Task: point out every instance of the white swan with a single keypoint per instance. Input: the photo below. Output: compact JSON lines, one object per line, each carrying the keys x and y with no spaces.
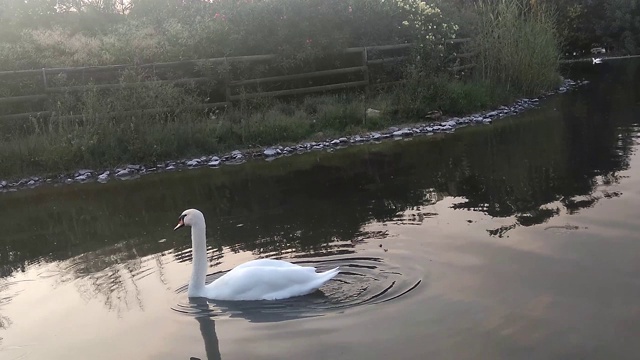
{"x":262,"y":279}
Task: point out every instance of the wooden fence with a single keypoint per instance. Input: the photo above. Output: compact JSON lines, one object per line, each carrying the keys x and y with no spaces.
{"x":230,"y":87}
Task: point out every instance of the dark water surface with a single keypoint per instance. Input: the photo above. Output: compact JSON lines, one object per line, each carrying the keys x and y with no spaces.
{"x":512,"y":241}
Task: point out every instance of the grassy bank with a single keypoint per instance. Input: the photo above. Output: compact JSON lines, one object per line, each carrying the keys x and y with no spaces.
{"x":516,"y":53}
{"x":54,"y":146}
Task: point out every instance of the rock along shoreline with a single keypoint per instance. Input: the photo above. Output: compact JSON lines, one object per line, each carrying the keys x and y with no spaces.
{"x":133,"y":171}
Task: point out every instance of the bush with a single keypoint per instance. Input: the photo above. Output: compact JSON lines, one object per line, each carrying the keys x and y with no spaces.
{"x":156,"y":31}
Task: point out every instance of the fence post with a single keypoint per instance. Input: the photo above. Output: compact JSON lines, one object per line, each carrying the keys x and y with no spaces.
{"x":365,"y":63}
{"x":227,"y":83}
{"x":44,"y":78}
{"x":44,"y":83}
{"x":365,"y":73}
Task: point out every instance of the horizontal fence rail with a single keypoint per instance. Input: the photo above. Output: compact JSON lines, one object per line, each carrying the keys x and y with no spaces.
{"x":227,"y":85}
{"x":298,"y":76}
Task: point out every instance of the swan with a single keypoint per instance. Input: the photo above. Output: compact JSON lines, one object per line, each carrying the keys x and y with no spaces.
{"x":263,"y":279}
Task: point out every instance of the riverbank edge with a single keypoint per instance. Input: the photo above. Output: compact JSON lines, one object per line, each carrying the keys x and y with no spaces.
{"x":605,"y":57}
{"x":237,"y":157}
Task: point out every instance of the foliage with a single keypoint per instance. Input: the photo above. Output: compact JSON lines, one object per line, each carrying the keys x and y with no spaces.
{"x":622,"y":25}
{"x":584,"y":24}
{"x":156,"y":31}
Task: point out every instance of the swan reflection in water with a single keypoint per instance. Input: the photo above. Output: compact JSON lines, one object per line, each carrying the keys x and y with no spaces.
{"x":207,"y":329}
{"x":205,"y":310}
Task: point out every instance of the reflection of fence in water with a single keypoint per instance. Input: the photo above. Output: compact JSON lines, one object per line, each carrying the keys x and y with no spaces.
{"x":361,"y":67}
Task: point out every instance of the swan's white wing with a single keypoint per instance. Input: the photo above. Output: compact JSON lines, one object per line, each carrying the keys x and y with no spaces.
{"x":267,"y":263}
{"x":267,"y":283}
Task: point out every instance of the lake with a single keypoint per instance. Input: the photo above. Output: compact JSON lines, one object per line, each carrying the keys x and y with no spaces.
{"x":512,"y":241}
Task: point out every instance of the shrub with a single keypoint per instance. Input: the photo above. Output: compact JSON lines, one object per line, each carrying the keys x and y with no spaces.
{"x":156,"y":31}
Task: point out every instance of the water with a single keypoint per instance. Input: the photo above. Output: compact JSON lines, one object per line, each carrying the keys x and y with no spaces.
{"x":515,"y":241}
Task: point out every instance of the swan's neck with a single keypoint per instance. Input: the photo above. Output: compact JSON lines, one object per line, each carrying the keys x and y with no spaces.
{"x":199,"y":255}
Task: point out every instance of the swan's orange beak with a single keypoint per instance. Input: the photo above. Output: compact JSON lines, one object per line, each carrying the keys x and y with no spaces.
{"x":180,"y":224}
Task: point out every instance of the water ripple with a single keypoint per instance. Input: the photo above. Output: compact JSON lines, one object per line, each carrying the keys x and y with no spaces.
{"x":362,"y":281}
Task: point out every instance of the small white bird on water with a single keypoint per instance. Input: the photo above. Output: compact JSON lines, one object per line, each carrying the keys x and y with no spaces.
{"x":263,"y":279}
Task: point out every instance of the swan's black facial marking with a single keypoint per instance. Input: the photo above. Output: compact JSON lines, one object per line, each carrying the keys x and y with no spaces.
{"x":180,"y":222}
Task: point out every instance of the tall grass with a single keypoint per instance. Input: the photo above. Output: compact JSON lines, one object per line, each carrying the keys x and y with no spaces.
{"x":517,"y":46}
{"x":422,"y":95}
{"x":62,"y":144}
{"x":59,"y":145}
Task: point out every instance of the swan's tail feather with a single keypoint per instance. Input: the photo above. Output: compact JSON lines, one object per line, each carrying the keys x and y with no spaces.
{"x":329,"y":274}
{"x":322,"y":278}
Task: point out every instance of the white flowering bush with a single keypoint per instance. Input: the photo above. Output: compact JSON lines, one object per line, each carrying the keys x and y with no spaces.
{"x":430,"y":28}
{"x":427,"y":22}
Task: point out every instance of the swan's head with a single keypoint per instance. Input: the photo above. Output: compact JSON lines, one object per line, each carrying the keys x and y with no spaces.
{"x":189,"y":217}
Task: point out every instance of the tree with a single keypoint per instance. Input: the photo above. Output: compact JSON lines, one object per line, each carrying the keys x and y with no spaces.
{"x":621,"y":25}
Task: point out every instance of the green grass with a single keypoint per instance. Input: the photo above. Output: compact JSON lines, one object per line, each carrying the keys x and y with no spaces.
{"x":452,"y":97}
{"x":53,"y":146}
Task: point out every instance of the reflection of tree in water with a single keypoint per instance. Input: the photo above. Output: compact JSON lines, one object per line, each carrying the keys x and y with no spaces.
{"x":110,"y":273}
{"x":595,"y":139}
